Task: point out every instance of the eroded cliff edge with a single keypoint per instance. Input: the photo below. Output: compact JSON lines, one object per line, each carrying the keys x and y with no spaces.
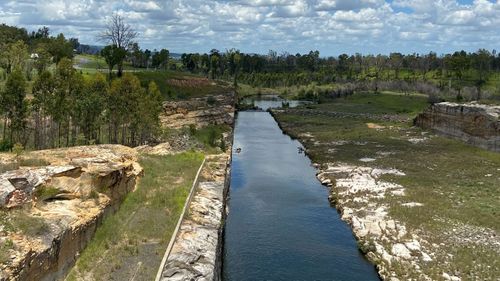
{"x":50,"y":209}
{"x":476,"y":124}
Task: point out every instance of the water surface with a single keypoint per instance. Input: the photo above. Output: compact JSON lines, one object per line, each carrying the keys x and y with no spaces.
{"x":280,"y":224}
{"x":272,"y":101}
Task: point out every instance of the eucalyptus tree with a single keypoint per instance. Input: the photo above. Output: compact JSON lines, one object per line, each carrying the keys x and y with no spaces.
{"x":43,"y":91}
{"x":113,"y":56}
{"x":119,"y":34}
{"x":15,"y":107}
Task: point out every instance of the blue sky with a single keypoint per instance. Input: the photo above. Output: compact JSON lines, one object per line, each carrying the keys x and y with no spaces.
{"x":330,"y":26}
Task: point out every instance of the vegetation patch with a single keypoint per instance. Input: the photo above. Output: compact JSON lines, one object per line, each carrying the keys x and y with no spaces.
{"x":132,"y":241}
{"x":27,"y":224}
{"x":44,"y":193}
{"x":178,"y":85}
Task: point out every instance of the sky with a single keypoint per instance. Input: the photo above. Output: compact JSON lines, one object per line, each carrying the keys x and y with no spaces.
{"x":332,"y":27}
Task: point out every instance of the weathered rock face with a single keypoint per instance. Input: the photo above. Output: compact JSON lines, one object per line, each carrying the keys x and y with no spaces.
{"x":67,"y":200}
{"x":200,"y":112}
{"x":197,"y":249}
{"x":476,"y":124}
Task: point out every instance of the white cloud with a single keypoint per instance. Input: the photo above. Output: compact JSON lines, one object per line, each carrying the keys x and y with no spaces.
{"x":332,"y":26}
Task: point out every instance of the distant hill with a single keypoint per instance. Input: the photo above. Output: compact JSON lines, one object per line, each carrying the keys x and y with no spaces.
{"x":89,"y":49}
{"x":175,"y":56}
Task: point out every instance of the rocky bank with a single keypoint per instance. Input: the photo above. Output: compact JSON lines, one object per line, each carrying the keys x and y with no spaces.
{"x":476,"y":124}
{"x":50,"y":211}
{"x":199,"y":112}
{"x":197,"y":249}
{"x":355,"y":191}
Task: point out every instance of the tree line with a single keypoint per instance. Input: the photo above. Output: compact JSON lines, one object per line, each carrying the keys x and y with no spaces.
{"x":68,"y":109}
{"x":46,"y":107}
{"x":450,"y":72}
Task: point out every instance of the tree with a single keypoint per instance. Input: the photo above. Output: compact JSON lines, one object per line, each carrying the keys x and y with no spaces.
{"x":482,"y":63}
{"x":396,"y":61}
{"x":14,"y":56}
{"x":43,"y":59}
{"x":119,"y":34}
{"x":43,"y":90}
{"x":63,"y":99}
{"x":11,"y":34}
{"x":91,"y":105}
{"x":60,"y":48}
{"x":148,"y":121}
{"x":124,"y":95}
{"x":113,"y":55}
{"x":15,"y":106}
{"x":160,"y":59}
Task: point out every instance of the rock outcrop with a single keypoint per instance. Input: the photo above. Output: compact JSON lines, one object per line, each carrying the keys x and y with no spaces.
{"x":197,"y":248}
{"x":50,"y":213}
{"x":200,"y":112}
{"x":354,"y":190}
{"x":476,"y":124}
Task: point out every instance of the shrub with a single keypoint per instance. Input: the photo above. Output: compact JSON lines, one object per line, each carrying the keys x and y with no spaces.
{"x":18,"y":149}
{"x":6,"y":145}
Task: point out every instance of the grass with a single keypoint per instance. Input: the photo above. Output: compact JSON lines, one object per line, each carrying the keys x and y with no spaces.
{"x":33,"y":162}
{"x":46,"y":192}
{"x":5,"y":246}
{"x":19,"y":220}
{"x":209,"y":135}
{"x":132,"y":241}
{"x":292,"y":92}
{"x":457,"y":183}
{"x":383,"y":103}
{"x":180,"y":85}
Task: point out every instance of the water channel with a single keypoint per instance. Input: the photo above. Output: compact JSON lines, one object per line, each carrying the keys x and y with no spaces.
{"x":280,"y":224}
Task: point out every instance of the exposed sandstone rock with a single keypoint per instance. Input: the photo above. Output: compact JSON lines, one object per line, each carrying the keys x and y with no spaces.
{"x":197,"y":249}
{"x":89,"y":181}
{"x":217,"y":110}
{"x":476,"y":124}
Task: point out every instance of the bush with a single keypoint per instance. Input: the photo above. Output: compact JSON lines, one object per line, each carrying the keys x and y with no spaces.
{"x":18,"y":149}
{"x":6,"y":145}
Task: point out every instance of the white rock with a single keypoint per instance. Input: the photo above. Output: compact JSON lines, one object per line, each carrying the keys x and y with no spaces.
{"x":399,"y":250}
{"x":426,"y":257}
{"x":413,"y":245}
{"x":412,"y":204}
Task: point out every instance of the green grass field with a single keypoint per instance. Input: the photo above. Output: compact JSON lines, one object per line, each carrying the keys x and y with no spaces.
{"x":458,"y":184}
{"x":131,"y":242}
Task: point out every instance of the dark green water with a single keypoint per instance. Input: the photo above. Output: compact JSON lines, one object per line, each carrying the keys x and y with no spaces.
{"x":280,"y":224}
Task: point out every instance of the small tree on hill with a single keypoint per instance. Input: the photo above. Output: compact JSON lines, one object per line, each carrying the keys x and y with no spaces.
{"x":113,"y":56}
{"x":119,"y":34}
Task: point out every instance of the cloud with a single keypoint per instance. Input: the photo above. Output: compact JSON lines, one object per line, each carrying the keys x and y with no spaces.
{"x":331,"y":26}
